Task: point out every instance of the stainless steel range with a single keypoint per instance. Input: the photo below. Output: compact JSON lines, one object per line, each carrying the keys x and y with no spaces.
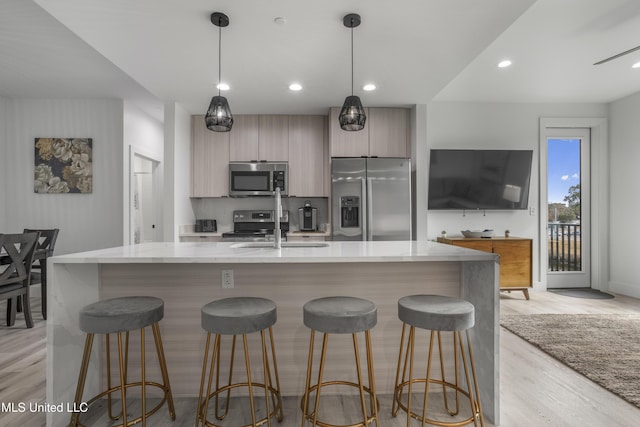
{"x":255,"y":226}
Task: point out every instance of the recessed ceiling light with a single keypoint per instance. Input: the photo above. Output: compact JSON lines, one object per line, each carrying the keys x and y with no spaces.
{"x":280,"y":20}
{"x":223,"y":86}
{"x":504,"y":64}
{"x":369,"y":87}
{"x":636,"y":65}
{"x":295,"y":86}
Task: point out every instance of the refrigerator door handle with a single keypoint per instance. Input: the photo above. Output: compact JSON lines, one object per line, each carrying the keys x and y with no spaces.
{"x":369,"y":209}
{"x":365,"y":215}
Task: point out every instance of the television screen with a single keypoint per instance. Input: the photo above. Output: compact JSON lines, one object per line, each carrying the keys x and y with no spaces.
{"x":479,"y":179}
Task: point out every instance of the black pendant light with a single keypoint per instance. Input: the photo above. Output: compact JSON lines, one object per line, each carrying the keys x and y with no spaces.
{"x":352,"y":116}
{"x":219,"y":117}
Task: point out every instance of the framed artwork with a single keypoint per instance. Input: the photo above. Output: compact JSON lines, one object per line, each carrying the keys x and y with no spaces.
{"x":63,"y":165}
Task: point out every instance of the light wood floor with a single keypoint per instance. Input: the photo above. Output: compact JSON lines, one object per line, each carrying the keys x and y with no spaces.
{"x":536,"y":390}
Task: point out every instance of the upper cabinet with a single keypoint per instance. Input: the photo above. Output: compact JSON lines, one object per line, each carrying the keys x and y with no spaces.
{"x":274,"y":138}
{"x":347,"y":143}
{"x":386,"y":134}
{"x":209,"y":160}
{"x":308,"y":156}
{"x":259,"y":138}
{"x":243,"y":145}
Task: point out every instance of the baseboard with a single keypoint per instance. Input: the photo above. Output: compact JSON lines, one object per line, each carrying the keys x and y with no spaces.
{"x":628,"y":289}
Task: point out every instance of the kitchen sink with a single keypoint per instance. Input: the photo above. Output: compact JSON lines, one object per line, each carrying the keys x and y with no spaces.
{"x":284,"y":245}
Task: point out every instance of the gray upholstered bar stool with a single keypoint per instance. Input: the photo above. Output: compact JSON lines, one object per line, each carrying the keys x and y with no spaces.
{"x":437,"y":313}
{"x":340,"y":315}
{"x":114,"y":316}
{"x":239,"y":316}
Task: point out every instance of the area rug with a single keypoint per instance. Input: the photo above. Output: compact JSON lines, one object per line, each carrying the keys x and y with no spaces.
{"x":603,"y":347}
{"x":587,"y":293}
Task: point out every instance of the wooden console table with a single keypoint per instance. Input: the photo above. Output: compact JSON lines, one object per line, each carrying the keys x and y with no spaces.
{"x":515,"y":258}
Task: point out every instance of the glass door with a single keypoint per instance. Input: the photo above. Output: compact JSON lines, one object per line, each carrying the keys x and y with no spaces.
{"x":568,"y":213}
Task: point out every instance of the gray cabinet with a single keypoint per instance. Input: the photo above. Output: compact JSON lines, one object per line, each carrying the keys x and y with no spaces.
{"x":386,"y":134}
{"x":259,"y":138}
{"x":308,"y":157}
{"x":209,"y":160}
{"x":243,"y":143}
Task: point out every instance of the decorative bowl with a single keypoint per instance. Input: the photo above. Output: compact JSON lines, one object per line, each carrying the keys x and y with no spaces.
{"x":477,"y":233}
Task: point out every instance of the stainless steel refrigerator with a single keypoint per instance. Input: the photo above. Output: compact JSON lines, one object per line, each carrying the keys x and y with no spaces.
{"x":371,"y":198}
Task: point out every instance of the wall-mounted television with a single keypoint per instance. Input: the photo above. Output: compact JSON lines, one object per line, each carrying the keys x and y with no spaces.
{"x":479,"y":179}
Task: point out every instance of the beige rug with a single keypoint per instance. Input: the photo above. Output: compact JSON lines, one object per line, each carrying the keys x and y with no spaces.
{"x":603,"y":347}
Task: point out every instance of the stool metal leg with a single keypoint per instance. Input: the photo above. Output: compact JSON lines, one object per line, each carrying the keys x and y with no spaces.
{"x":216,"y":346}
{"x":360,"y":386}
{"x":267,"y":377}
{"x":204,"y":371}
{"x":233,"y":353}
{"x":278,"y":396}
{"x":143,"y":385}
{"x":372,"y":381}
{"x":247,"y":363}
{"x":455,"y":361}
{"x":325,"y":340}
{"x":163,"y":369}
{"x":123,"y":389}
{"x":82,"y":378}
{"x":305,"y":397}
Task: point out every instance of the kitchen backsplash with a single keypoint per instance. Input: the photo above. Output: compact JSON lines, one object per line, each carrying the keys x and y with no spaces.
{"x":221,"y":209}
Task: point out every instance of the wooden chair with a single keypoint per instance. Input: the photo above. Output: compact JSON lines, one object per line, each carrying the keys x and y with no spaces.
{"x":15,"y":272}
{"x":44,"y":249}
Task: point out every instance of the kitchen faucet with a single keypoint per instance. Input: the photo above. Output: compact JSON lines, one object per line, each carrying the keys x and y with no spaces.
{"x":277,"y":234}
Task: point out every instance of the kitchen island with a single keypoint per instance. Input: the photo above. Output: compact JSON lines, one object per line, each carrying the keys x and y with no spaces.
{"x":188,"y":275}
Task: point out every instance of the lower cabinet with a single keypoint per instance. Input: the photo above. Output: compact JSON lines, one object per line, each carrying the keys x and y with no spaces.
{"x":304,"y":238}
{"x":515,"y":258}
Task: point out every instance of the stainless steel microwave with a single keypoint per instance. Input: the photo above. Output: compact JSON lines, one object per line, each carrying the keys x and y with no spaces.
{"x":258,"y":178}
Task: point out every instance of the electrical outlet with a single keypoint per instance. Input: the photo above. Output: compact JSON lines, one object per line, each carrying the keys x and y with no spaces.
{"x":227,"y":279}
{"x":532,"y":211}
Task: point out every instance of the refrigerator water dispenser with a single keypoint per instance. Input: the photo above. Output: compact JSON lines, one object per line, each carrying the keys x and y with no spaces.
{"x":350,"y":211}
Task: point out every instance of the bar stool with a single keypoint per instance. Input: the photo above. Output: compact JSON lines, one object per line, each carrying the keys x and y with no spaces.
{"x":119,"y":315}
{"x":437,"y":313}
{"x":239,"y":316}
{"x":340,"y":315}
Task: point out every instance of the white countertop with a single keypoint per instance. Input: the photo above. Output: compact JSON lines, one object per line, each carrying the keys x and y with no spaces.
{"x":223,"y":252}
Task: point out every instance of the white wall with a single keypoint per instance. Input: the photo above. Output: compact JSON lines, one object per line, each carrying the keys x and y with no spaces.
{"x":624,"y":201}
{"x":86,"y":221}
{"x":177,"y":170}
{"x":3,"y":163}
{"x":491,"y":126}
{"x":143,"y":135}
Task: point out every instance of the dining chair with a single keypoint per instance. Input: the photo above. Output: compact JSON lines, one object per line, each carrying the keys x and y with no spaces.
{"x":15,"y":272}
{"x":44,"y":249}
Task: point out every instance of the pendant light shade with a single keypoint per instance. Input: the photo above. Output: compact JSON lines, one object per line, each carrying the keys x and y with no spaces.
{"x":352,"y":116}
{"x":219,"y":117}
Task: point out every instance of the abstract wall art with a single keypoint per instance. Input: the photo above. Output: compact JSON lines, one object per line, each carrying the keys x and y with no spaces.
{"x":63,"y":165}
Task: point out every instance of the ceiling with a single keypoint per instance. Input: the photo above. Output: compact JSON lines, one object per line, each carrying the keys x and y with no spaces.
{"x":415,"y":51}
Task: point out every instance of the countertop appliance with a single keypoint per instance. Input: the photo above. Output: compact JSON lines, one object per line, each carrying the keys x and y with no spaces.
{"x":308,"y":217}
{"x":255,"y":226}
{"x":371,"y":198}
{"x":206,"y":226}
{"x":258,"y":178}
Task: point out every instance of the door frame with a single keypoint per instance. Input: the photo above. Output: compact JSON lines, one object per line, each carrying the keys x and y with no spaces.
{"x":157,"y":185}
{"x":582,"y":278}
{"x":599,"y":182}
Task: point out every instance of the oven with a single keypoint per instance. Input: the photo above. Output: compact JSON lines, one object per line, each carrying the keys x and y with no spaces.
{"x":255,"y":226}
{"x":258,"y":178}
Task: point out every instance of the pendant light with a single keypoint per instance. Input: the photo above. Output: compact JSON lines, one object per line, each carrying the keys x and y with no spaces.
{"x":352,"y":116}
{"x":219,"y":117}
